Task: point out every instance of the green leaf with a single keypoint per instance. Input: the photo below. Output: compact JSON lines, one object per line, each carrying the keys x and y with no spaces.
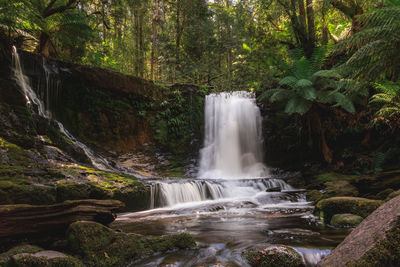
{"x":289,"y":81}
{"x":327,"y":74}
{"x":344,"y":102}
{"x":298,"y":105}
{"x":246,"y":47}
{"x":304,"y":83}
{"x":281,"y":94}
{"x":308,"y":93}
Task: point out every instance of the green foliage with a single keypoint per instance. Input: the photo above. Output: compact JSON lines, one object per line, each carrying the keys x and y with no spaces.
{"x":374,"y":50}
{"x":388,"y":102}
{"x":179,"y":118}
{"x":306,"y":84}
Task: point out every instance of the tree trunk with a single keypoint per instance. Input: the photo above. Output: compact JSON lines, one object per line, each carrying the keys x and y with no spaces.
{"x":229,"y":34}
{"x":319,"y":130}
{"x":44,"y":45}
{"x":153,"y":43}
{"x":311,"y":28}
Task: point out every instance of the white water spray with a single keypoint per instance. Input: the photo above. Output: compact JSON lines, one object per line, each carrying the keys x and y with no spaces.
{"x":233,"y":139}
{"x":32,"y":101}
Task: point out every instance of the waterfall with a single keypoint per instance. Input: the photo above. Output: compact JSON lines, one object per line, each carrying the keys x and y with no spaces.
{"x":233,"y":137}
{"x":34,"y":102}
{"x":169,"y":193}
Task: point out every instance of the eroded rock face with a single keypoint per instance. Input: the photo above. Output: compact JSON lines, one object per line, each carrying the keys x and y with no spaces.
{"x":375,"y":242}
{"x":98,"y":245}
{"x":274,"y":256}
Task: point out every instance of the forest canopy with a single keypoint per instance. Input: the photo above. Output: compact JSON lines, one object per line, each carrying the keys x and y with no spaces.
{"x":313,"y":60}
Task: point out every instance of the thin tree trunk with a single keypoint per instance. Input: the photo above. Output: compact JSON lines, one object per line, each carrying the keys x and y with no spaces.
{"x":229,"y":33}
{"x":153,"y":44}
{"x":311,"y":28}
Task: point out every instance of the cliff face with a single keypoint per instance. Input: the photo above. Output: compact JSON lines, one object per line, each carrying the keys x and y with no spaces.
{"x":111,"y":110}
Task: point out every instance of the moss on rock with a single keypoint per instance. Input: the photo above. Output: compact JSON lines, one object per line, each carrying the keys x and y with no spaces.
{"x":5,"y":257}
{"x":354,"y":205}
{"x":346,"y":220}
{"x":274,"y":256}
{"x":314,"y":195}
{"x":37,"y":260}
{"x":98,"y":245}
{"x":386,"y":252}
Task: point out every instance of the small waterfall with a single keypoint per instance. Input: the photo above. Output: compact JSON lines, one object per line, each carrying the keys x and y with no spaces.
{"x":34,"y":102}
{"x":233,"y":138}
{"x":169,"y":193}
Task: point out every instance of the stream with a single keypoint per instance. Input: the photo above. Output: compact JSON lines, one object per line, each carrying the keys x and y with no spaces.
{"x":225,"y":226}
{"x":234,"y":203}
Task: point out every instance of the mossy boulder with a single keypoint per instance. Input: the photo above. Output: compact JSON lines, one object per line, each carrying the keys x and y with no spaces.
{"x":314,"y":195}
{"x":384,"y":194}
{"x":98,"y":245}
{"x":45,"y":258}
{"x":346,"y":220}
{"x":354,"y":205}
{"x":340,"y":188}
{"x":374,"y":242}
{"x":5,"y":257}
{"x":393,"y":195}
{"x":274,"y":256}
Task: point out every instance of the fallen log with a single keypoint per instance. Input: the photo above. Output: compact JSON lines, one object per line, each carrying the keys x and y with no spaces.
{"x":23,"y":221}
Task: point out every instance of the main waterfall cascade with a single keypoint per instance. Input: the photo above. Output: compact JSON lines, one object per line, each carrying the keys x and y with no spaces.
{"x":34,"y":102}
{"x":231,"y":165}
{"x":233,"y":137}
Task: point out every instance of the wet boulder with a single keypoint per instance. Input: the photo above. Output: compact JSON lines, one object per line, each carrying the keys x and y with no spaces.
{"x":345,"y":220}
{"x":354,"y":205}
{"x":374,"y":242}
{"x":98,"y":245}
{"x":274,"y":256}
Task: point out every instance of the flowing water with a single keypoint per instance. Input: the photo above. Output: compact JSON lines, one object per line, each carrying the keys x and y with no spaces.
{"x":42,"y":108}
{"x":235,"y":203}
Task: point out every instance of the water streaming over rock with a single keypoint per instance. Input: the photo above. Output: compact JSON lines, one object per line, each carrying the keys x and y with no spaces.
{"x":233,"y":138}
{"x":39,"y":107}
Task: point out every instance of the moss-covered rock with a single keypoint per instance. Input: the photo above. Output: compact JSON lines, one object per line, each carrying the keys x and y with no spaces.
{"x":346,"y":220}
{"x":340,"y":188}
{"x":314,"y":195}
{"x":274,"y":256}
{"x":384,"y":194}
{"x":386,"y":252}
{"x":98,"y":245}
{"x":5,"y":257}
{"x":393,"y":195}
{"x":354,"y":205}
{"x":44,"y":259}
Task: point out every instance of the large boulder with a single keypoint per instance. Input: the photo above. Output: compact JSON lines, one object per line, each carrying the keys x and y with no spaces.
{"x":98,"y":245}
{"x":274,"y":256}
{"x":375,"y":242}
{"x":354,"y":205}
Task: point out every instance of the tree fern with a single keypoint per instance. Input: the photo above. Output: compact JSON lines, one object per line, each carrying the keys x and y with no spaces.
{"x":374,"y":50}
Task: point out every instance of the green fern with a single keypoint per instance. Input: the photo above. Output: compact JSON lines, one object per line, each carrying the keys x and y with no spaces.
{"x":307,"y":84}
{"x":374,"y":50}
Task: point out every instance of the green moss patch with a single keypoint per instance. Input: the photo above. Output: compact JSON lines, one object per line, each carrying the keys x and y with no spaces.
{"x":354,"y":205}
{"x":386,"y":252}
{"x":346,"y":220}
{"x":98,"y":245}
